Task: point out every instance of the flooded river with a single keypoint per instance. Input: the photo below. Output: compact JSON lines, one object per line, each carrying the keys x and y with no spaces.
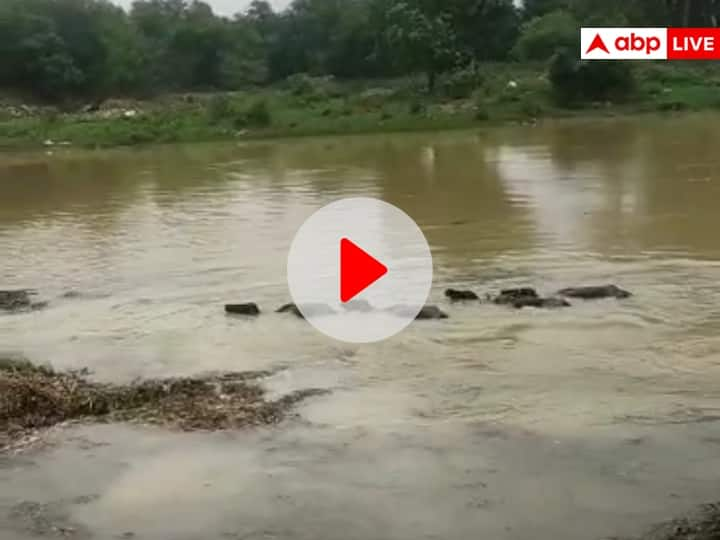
{"x":591,"y":422}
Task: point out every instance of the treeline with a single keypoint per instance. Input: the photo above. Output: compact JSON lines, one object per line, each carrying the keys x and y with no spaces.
{"x":89,"y":49}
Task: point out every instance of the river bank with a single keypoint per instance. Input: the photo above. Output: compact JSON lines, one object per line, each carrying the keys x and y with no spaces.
{"x":304,"y":105}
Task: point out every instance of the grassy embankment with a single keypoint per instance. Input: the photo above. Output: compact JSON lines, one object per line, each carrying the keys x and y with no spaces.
{"x":307,"y":106}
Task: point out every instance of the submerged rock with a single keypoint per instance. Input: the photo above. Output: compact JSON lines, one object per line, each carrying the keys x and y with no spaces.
{"x":19,"y":300}
{"x":431,"y":313}
{"x":460,"y":296}
{"x":595,"y":292}
{"x":428,"y":312}
{"x":290,"y":308}
{"x":312,"y":310}
{"x":528,"y":297}
{"x":12,"y":300}
{"x":358,"y":306}
{"x":251,"y":309}
{"x":513,"y":296}
{"x":542,"y":303}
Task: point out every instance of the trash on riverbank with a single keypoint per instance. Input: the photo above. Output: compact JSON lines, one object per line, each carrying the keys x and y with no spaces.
{"x":703,"y":525}
{"x":35,"y":397}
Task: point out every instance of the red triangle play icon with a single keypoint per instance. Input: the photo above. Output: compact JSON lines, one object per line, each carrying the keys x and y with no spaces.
{"x":358,"y":270}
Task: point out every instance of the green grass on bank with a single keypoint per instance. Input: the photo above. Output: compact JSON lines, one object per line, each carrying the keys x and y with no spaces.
{"x":668,"y":86}
{"x":304,"y":105}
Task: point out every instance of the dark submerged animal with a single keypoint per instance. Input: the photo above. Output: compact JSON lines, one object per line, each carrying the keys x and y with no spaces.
{"x":19,"y":300}
{"x":431,"y":313}
{"x":358,"y":306}
{"x":311,"y":309}
{"x":543,"y":303}
{"x":250,"y":309}
{"x":528,"y":297}
{"x":595,"y":292}
{"x":460,"y":296}
{"x":513,"y":296}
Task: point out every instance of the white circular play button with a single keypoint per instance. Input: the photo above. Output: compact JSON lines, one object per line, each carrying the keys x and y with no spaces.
{"x":359,"y":270}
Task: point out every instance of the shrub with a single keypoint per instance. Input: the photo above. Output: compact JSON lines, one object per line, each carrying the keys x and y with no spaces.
{"x":542,"y":36}
{"x":375,"y":98}
{"x":574,"y":82}
{"x":671,"y":106}
{"x":461,"y":83}
{"x":481,"y":108}
{"x":481,"y":113}
{"x":258,"y":114}
{"x":416,"y":108}
{"x":531,"y":108}
{"x":299,"y":84}
{"x":312,"y":88}
{"x":219,"y":109}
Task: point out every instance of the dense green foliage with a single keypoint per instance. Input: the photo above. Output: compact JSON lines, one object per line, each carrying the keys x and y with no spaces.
{"x":573,"y":81}
{"x":90,"y":49}
{"x":82,"y":52}
{"x":542,"y":36}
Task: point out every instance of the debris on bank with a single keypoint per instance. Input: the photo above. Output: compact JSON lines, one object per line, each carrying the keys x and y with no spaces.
{"x":36,"y":397}
{"x":703,"y":525}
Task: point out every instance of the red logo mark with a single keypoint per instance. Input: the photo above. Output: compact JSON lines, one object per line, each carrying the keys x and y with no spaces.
{"x":597,"y":43}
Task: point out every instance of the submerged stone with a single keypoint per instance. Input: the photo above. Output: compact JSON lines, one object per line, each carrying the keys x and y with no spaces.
{"x":527,"y":297}
{"x":542,"y":303}
{"x":459,"y":296}
{"x":595,"y":292}
{"x":250,"y":309}
{"x":358,"y":306}
{"x":431,"y":313}
{"x":513,"y":296}
{"x":428,"y":312}
{"x":313,"y":310}
{"x":19,"y":300}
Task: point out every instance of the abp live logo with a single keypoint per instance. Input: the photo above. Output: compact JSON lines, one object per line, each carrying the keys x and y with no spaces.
{"x":650,"y":43}
{"x":623,"y":43}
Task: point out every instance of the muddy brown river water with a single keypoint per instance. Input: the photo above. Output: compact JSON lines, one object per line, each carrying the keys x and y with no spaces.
{"x":591,"y":422}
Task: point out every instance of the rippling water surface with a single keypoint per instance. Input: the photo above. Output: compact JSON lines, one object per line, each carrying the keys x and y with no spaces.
{"x":583,"y":423}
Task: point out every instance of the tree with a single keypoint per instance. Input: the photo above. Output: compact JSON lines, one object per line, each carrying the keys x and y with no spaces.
{"x":423,"y":41}
{"x":243,"y":59}
{"x":537,"y":8}
{"x":485,"y":29}
{"x":36,"y":59}
{"x":542,"y":36}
